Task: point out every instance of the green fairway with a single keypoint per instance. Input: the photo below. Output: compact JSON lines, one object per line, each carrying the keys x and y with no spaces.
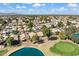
{"x":65,"y":48}
{"x":2,"y":52}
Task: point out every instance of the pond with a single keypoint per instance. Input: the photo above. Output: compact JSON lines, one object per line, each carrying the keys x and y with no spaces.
{"x":75,"y":35}
{"x":27,"y":52}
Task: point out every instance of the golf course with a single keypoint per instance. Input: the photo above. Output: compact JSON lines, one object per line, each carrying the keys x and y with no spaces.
{"x":65,"y":49}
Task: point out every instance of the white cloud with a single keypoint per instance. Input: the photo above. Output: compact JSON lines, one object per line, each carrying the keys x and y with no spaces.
{"x":72,"y":5}
{"x":61,"y":9}
{"x":20,"y":7}
{"x":7,"y":5}
{"x":38,"y":4}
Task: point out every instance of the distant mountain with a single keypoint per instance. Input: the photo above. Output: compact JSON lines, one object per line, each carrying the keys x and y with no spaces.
{"x":9,"y":14}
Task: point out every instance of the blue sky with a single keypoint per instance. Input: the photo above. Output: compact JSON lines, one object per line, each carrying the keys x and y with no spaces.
{"x":40,"y":8}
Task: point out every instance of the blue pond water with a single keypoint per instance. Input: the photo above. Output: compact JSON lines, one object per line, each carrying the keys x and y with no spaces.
{"x":27,"y":52}
{"x":76,"y":35}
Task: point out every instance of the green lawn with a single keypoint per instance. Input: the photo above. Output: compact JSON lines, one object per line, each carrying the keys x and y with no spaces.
{"x":65,"y":48}
{"x":2,"y":52}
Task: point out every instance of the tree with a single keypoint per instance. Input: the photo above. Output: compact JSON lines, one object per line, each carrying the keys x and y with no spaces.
{"x":62,"y":35}
{"x":15,"y":31}
{"x":34,"y":38}
{"x":1,"y":37}
{"x":45,"y":18}
{"x":30,"y":25}
{"x":70,"y":30}
{"x":9,"y":41}
{"x":9,"y":20}
{"x":31,"y":18}
{"x":46,"y":31}
{"x":3,"y":22}
{"x":68,"y":23}
{"x":75,"y":39}
{"x":68,"y":37}
{"x":60,"y":24}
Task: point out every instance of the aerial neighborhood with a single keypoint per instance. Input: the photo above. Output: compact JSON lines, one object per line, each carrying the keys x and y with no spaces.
{"x":47,"y":33}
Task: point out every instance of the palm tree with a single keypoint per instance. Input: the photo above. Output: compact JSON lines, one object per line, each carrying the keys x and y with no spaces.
{"x":30,"y":25}
{"x":34,"y":38}
{"x":62,"y":35}
{"x":46,"y":31}
{"x":9,"y":40}
{"x":16,"y":31}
